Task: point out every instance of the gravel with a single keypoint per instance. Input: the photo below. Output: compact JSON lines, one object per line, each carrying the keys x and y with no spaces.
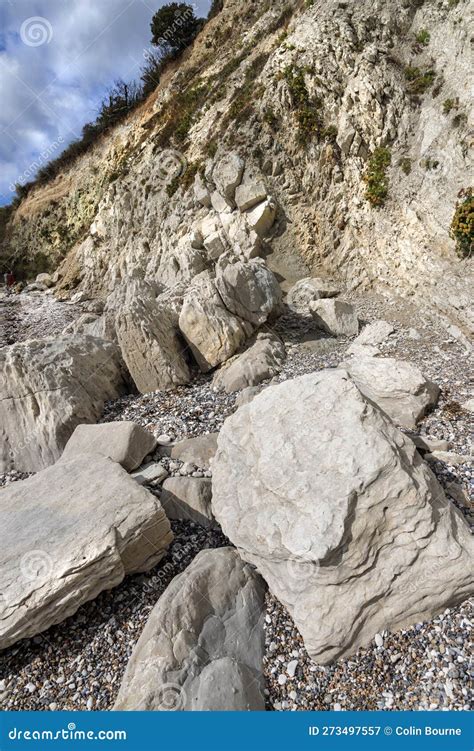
{"x":79,"y":664}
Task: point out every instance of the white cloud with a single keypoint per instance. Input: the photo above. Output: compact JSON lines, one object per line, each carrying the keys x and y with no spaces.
{"x":54,"y":88}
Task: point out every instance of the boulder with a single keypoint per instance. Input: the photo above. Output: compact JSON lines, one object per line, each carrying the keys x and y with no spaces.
{"x":69,"y":533}
{"x":335,"y":317}
{"x":262,"y":217}
{"x":374,"y":333}
{"x":47,"y":388}
{"x":227,"y":175}
{"x":45,"y":279}
{"x":188,"y":498}
{"x":246,"y":395}
{"x":124,"y":442}
{"x":249,"y":194}
{"x":198,"y":451}
{"x":397,"y":387}
{"x":212,"y":332}
{"x":317,"y":488}
{"x":150,"y":474}
{"x":262,"y":360}
{"x":150,"y":345}
{"x":215,"y":245}
{"x":309,"y":290}
{"x":201,"y":192}
{"x":248,"y":289}
{"x":202,"y":647}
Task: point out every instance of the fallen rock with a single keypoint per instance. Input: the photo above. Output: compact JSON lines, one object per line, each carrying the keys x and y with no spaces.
{"x":213,"y":333}
{"x":449,"y":457}
{"x":248,"y":289}
{"x":334,"y":506}
{"x":249,"y":194}
{"x":151,"y":348}
{"x":150,"y":474}
{"x":48,"y":387}
{"x":200,"y":451}
{"x":188,"y":498}
{"x":308,"y":290}
{"x":202,"y":647}
{"x":262,"y":360}
{"x":124,"y":442}
{"x":396,"y":386}
{"x":374,"y":333}
{"x":69,"y":533}
{"x":45,"y":279}
{"x":428,"y":443}
{"x":246,"y":395}
{"x":335,"y":317}
{"x":262,"y":217}
{"x":227,"y":175}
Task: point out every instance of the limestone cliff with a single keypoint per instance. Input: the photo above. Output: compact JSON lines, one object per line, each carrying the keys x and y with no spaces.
{"x":302,"y":97}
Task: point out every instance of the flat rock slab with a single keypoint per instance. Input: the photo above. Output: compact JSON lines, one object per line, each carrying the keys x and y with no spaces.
{"x":396,"y":386}
{"x":124,"y":442}
{"x":337,"y":510}
{"x":69,"y":533}
{"x":47,"y":388}
{"x":203,"y":645}
{"x":199,"y":451}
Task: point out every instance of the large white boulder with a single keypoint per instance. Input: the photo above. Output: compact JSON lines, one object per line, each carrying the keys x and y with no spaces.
{"x":212,"y":332}
{"x":227,"y":175}
{"x":396,"y":386}
{"x":248,"y":289}
{"x":334,"y":506}
{"x":335,"y":317}
{"x":262,"y":360}
{"x":203,"y":644}
{"x":308,"y":290}
{"x":124,"y":442}
{"x":69,"y":533}
{"x":47,"y":388}
{"x":261,"y":217}
{"x":149,"y":342}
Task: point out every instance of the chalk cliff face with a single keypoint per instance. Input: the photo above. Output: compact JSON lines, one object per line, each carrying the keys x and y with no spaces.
{"x":259,"y":142}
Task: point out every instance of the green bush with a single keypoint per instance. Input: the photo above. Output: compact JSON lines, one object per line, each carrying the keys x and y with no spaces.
{"x":423,"y":37}
{"x":308,"y":111}
{"x":376,"y":176}
{"x":405,"y":164}
{"x":419,"y":80}
{"x":448,"y":105}
{"x":462,"y":226}
{"x":174,"y":27}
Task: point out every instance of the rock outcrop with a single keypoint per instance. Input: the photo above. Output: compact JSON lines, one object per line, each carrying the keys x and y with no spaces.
{"x":69,"y":533}
{"x":308,"y":290}
{"x":203,"y":645}
{"x":48,"y":387}
{"x":334,"y":506}
{"x":396,"y":386}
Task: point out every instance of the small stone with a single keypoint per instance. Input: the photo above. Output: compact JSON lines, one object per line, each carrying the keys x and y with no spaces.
{"x":164,"y":439}
{"x":30,"y":687}
{"x":291,"y":668}
{"x":379,"y":640}
{"x":282,"y":679}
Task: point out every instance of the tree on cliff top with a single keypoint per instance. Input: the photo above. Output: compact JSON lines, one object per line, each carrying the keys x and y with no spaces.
{"x":174,"y":27}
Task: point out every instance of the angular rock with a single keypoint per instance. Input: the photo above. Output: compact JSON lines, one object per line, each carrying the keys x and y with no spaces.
{"x":309,"y":290}
{"x":150,"y":474}
{"x":69,"y":533}
{"x":227,"y":175}
{"x":246,"y":395}
{"x":215,"y":245}
{"x":212,"y":332}
{"x":397,"y":387}
{"x":45,"y":279}
{"x":374,"y":333}
{"x":334,"y":506}
{"x":248,"y":289}
{"x":262,"y":360}
{"x":262,"y":217}
{"x":201,"y":192}
{"x":151,"y":348}
{"x":335,"y":317}
{"x":203,"y":644}
{"x":188,"y":498}
{"x":249,"y":194}
{"x":47,"y":388}
{"x":124,"y":442}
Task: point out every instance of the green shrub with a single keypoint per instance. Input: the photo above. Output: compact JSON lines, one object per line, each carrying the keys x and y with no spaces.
{"x":174,"y":27}
{"x":462,"y":226}
{"x":376,"y":176}
{"x":419,"y":80}
{"x":308,"y":111}
{"x":405,"y":164}
{"x":270,"y":118}
{"x":448,"y":105}
{"x":423,"y":37}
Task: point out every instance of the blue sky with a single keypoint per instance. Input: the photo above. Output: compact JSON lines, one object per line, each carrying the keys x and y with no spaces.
{"x":57,"y":59}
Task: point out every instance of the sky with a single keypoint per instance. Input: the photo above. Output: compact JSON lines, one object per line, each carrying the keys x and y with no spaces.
{"x":57,"y":60}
